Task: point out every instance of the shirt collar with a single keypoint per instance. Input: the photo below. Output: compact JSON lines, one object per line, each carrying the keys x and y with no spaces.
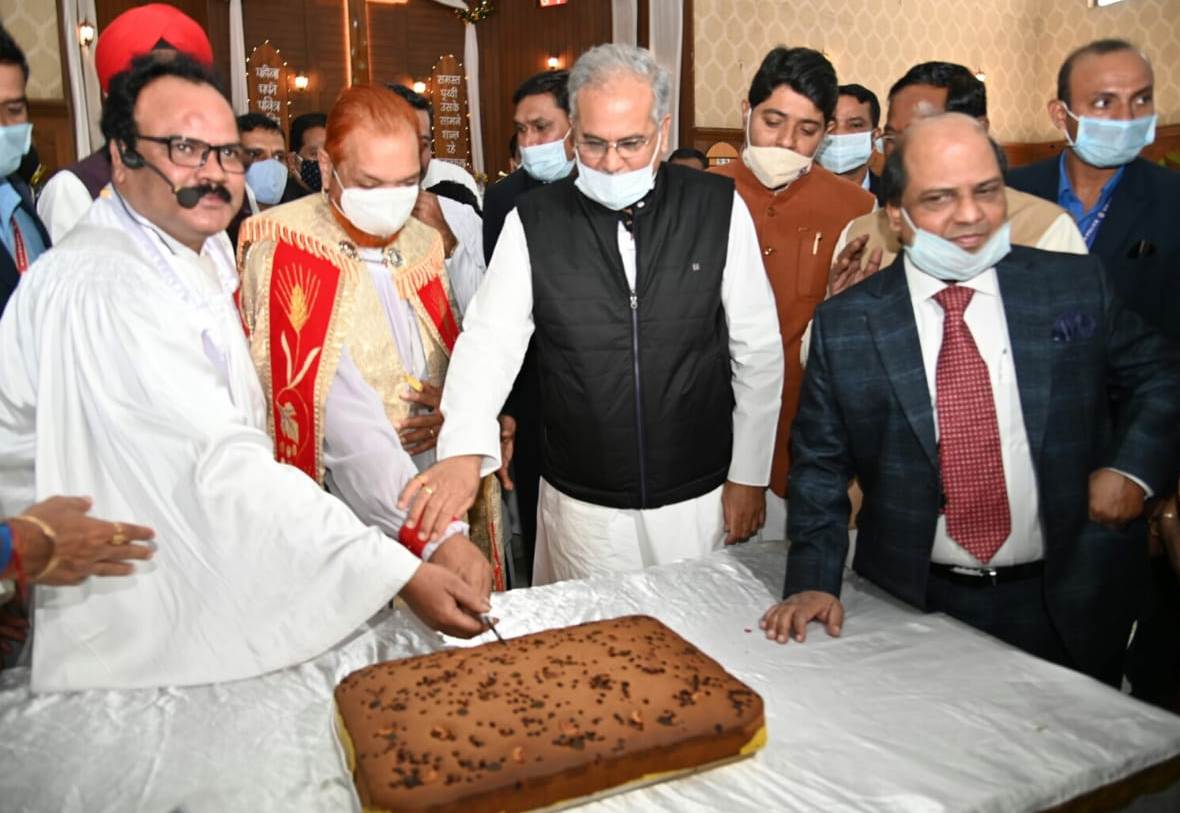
{"x":1065,"y":193}
{"x":923,"y":286}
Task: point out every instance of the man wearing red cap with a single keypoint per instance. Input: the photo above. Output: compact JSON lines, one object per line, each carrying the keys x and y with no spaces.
{"x":152,"y":28}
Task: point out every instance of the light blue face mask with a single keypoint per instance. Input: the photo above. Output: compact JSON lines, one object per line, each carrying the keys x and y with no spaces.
{"x":620,"y":190}
{"x":1111,"y":142}
{"x":267,"y":179}
{"x":844,"y":153}
{"x":547,"y":162}
{"x":945,"y":260}
{"x":15,"y":140}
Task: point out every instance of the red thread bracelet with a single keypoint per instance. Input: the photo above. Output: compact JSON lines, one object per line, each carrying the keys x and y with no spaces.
{"x":410,"y":540}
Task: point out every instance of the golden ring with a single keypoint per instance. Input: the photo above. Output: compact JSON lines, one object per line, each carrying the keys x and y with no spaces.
{"x":118,"y":538}
{"x":428,"y":489}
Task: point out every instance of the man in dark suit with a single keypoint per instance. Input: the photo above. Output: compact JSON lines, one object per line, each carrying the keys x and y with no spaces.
{"x":1125,"y":207}
{"x":22,"y":236}
{"x":965,"y":386}
{"x":542,"y":121}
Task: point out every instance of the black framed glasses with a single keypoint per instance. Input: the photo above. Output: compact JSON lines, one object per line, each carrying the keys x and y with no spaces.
{"x":193,"y":153}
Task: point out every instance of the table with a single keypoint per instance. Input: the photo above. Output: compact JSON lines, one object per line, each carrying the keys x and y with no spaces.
{"x":903,"y":712}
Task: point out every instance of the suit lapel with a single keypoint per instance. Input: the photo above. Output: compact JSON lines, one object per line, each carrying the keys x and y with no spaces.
{"x":896,"y":337}
{"x":1027,"y":312}
{"x":1128,"y":206}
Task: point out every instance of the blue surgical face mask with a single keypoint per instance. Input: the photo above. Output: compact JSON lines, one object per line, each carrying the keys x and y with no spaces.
{"x":15,"y":140}
{"x":620,"y":190}
{"x":268,"y":179}
{"x":547,"y":162}
{"x":1111,"y":142}
{"x":947,"y":261}
{"x":844,"y":153}
{"x":879,"y":145}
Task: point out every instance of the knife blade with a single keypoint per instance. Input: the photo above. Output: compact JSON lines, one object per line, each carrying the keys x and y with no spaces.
{"x":487,"y":619}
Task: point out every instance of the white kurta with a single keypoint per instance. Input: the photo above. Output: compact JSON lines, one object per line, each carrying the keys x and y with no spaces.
{"x":574,"y":538}
{"x":61,"y":204}
{"x":126,"y":376}
{"x":466,"y":265}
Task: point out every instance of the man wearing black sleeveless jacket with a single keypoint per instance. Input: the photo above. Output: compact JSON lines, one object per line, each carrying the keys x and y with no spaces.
{"x":658,"y":350}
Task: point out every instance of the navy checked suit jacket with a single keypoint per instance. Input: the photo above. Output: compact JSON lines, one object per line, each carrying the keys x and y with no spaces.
{"x":865,"y":412}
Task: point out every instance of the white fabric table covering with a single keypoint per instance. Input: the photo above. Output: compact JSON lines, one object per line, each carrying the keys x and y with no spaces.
{"x":904,"y":712}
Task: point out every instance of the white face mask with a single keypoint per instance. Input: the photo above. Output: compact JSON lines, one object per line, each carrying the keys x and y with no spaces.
{"x":547,"y":162}
{"x":774,"y":167}
{"x":620,"y":190}
{"x":844,"y":153}
{"x":380,"y":212}
{"x":945,"y":260}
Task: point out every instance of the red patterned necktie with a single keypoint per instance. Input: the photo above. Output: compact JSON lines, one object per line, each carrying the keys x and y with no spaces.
{"x":977,"y":513}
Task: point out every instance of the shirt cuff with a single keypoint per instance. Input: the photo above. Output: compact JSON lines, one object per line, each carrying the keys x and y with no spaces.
{"x":1147,"y":492}
{"x":454,"y":528}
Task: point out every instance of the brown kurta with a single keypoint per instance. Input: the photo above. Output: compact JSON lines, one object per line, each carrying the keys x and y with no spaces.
{"x":797,"y":230}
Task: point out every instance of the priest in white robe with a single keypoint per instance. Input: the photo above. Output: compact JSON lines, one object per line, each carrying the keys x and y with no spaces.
{"x":126,"y":376}
{"x":657,"y":340}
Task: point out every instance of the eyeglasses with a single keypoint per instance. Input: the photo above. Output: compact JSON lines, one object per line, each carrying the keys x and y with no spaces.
{"x":630,"y":147}
{"x":191,"y":152}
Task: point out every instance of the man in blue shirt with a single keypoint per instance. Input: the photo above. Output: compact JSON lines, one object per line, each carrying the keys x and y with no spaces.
{"x":1125,"y":207}
{"x":22,"y":235}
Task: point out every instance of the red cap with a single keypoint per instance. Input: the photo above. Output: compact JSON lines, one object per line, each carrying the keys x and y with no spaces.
{"x":137,"y":31}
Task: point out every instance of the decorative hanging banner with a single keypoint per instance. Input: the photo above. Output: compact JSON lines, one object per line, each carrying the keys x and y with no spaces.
{"x":448,"y":96}
{"x":266,"y":83}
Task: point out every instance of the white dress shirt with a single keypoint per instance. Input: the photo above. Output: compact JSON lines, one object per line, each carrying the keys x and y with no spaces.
{"x":61,"y":203}
{"x":988,"y":324}
{"x":466,"y":265}
{"x":366,"y":465}
{"x":499,"y":323}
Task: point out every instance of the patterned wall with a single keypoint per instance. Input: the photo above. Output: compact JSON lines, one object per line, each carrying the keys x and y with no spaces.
{"x":33,"y":24}
{"x":1019,"y":45}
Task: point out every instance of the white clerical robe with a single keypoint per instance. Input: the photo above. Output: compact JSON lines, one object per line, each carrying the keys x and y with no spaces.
{"x":576,"y":539}
{"x":126,"y":376}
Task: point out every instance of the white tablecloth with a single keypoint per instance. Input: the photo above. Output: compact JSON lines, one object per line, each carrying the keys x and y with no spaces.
{"x":904,"y":712}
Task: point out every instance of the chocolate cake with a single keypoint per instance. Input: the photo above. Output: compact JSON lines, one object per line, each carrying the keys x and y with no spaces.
{"x":541,"y":720}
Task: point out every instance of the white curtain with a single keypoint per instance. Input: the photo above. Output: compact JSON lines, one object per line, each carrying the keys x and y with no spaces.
{"x":85,"y":97}
{"x":624,"y":21}
{"x":471,"y":65}
{"x":666,"y":29}
{"x":238,"y":93}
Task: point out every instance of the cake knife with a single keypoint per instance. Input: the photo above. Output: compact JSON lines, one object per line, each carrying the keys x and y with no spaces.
{"x":487,"y":619}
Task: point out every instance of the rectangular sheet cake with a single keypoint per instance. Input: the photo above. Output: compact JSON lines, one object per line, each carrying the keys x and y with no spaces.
{"x":542,"y":720}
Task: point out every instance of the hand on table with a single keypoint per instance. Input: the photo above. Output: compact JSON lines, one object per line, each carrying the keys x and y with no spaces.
{"x":444,"y":492}
{"x":84,"y":546}
{"x":789,"y":618}
{"x":852,"y":266}
{"x":1114,"y":499}
{"x":419,"y":433}
{"x":460,"y":556}
{"x":744,"y":509}
{"x":445,"y":602}
{"x":507,"y":448}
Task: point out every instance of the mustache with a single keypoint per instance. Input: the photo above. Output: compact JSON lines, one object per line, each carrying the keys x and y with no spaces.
{"x":204,"y":189}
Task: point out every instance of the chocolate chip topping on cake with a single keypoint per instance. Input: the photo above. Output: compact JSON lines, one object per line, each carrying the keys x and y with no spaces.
{"x":541,"y":719}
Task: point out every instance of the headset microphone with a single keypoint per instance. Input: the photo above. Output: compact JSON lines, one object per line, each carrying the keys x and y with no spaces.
{"x":187,"y":196}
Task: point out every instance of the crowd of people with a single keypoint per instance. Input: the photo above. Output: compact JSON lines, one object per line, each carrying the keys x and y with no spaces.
{"x":306,"y":367}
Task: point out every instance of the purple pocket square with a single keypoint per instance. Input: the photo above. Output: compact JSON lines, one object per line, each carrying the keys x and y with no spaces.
{"x":1073,"y":325}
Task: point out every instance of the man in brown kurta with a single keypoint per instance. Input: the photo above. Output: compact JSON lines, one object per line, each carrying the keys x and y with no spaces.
{"x":799,"y":208}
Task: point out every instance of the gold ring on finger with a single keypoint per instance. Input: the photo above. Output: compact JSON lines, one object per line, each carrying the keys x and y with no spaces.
{"x":428,"y":489}
{"x":118,"y":538}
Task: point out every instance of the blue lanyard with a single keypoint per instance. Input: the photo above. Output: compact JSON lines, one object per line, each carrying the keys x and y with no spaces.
{"x":5,"y":545}
{"x":1092,"y":230}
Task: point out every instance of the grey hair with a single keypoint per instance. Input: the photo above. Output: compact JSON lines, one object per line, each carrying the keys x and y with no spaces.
{"x":603,"y":62}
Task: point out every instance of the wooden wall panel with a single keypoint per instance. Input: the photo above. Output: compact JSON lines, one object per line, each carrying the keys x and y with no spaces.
{"x":514,"y":43}
{"x":53,"y":134}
